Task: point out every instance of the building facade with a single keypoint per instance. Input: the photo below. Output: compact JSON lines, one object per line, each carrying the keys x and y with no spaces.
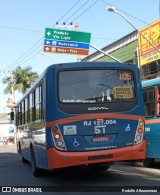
{"x":126,"y":50}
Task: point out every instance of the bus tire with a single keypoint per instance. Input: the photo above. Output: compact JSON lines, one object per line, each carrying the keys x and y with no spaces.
{"x":35,"y":170}
{"x":19,"y":148}
{"x":148,"y":162}
{"x":24,"y":160}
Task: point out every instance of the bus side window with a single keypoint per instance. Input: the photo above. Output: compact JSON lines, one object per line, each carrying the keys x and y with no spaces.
{"x":149,"y":101}
{"x":158,"y":101}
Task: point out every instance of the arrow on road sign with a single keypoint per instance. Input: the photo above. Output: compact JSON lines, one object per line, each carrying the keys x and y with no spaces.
{"x":48,"y":42}
{"x":49,"y":33}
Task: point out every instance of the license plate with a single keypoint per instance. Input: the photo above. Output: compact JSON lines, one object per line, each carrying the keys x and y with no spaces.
{"x":100,"y":139}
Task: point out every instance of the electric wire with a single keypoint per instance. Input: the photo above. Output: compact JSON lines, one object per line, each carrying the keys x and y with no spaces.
{"x":13,"y":64}
{"x":21,"y":29}
{"x":31,"y":48}
{"x":76,"y":11}
{"x":85,"y":11}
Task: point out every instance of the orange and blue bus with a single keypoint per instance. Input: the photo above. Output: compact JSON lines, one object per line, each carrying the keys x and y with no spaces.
{"x":77,"y":114}
{"x":151,"y":95}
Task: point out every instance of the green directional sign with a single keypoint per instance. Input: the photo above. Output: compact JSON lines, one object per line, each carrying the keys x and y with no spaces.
{"x":67,"y":35}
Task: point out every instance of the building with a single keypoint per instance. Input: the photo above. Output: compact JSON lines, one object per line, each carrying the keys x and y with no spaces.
{"x":6,"y":128}
{"x":126,"y":50}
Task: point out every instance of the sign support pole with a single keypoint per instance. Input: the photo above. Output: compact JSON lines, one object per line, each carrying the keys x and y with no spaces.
{"x":106,"y":54}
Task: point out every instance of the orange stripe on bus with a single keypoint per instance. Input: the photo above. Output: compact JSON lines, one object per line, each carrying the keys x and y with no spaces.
{"x":152,"y":121}
{"x":93,"y":116}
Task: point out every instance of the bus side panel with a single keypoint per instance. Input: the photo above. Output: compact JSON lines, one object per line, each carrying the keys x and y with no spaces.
{"x":152,"y":133}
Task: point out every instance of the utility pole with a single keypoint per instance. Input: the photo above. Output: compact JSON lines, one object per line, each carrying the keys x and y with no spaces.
{"x":77,"y":29}
{"x":113,"y":9}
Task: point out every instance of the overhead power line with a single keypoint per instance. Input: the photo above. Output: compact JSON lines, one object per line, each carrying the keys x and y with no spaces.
{"x":85,"y":11}
{"x":126,"y":13}
{"x":23,"y":58}
{"x":31,"y":48}
{"x":76,"y":11}
{"x":22,"y":29}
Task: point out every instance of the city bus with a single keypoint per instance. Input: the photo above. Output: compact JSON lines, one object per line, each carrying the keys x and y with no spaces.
{"x":82,"y":114}
{"x":151,"y":95}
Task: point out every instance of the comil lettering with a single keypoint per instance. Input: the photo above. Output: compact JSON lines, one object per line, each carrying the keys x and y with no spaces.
{"x":98,"y":108}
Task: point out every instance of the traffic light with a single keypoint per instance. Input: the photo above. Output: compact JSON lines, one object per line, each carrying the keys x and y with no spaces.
{"x":12,"y":116}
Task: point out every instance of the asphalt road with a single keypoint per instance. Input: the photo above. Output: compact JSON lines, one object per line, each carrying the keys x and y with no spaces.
{"x":121,"y":176}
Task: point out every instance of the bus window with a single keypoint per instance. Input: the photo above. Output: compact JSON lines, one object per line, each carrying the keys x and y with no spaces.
{"x":158,"y":101}
{"x":149,"y":101}
{"x":96,"y":86}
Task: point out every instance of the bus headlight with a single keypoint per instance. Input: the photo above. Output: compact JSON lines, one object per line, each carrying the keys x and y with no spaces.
{"x":139,"y":132}
{"x":58,"y":138}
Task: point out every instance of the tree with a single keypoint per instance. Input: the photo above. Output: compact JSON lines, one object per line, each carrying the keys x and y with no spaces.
{"x":23,"y":79}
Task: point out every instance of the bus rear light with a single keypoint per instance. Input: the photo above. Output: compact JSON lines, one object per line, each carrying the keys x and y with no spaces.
{"x":55,"y":128}
{"x":58,"y":138}
{"x":141,"y":123}
{"x":139,"y":132}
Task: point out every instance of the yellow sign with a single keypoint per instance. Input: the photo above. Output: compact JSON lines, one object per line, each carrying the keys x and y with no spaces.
{"x":147,"y":52}
{"x":123,"y":92}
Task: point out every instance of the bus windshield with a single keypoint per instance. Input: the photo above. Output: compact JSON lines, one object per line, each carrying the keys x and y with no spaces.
{"x":96,"y":86}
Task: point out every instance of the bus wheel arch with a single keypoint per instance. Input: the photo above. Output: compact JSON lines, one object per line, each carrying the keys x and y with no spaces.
{"x":19,"y":148}
{"x":20,"y":152}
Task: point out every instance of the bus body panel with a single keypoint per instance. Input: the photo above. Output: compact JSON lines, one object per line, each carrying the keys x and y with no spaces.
{"x":152,"y":123}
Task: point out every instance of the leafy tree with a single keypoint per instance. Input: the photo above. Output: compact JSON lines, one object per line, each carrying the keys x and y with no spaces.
{"x":23,"y":79}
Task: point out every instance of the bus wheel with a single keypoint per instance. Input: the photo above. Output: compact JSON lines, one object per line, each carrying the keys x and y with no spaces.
{"x":148,"y":162}
{"x":20,"y":152}
{"x":35,"y":170}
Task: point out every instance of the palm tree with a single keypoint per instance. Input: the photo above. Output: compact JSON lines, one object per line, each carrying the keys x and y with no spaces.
{"x":23,"y":79}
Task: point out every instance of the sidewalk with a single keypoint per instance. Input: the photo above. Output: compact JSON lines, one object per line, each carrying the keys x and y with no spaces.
{"x":10,"y":148}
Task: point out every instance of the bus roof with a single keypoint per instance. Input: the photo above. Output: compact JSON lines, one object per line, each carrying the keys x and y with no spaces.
{"x":151,"y":82}
{"x":93,"y":64}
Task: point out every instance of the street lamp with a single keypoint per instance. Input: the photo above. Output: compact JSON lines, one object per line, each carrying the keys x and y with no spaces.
{"x":113,"y":9}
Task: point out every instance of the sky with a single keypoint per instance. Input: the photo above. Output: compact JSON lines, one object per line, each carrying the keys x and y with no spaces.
{"x":23,"y":23}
